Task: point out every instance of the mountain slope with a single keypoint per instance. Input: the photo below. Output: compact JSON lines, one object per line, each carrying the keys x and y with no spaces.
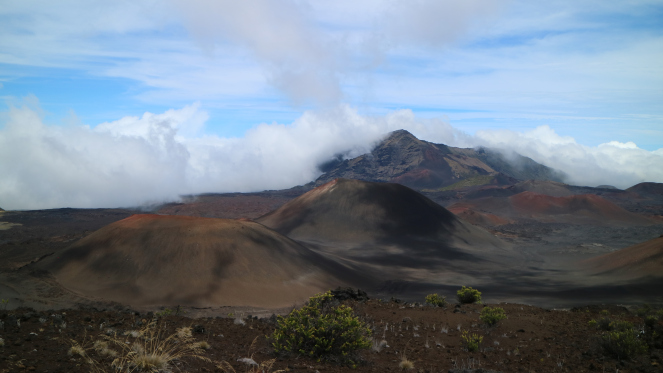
{"x":637,"y":261}
{"x":155,"y":259}
{"x":404,"y":159}
{"x":382,"y":223}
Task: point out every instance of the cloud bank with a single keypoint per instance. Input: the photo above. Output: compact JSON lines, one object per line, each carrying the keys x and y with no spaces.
{"x":158,"y":157}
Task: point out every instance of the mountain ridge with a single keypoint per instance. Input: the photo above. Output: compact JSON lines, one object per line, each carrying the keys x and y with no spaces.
{"x":402,"y":158}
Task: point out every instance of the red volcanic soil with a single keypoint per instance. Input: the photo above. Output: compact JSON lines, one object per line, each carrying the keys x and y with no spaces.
{"x":418,"y":177}
{"x":467,"y":212}
{"x":584,"y":207}
{"x":155,"y":259}
{"x":637,"y":261}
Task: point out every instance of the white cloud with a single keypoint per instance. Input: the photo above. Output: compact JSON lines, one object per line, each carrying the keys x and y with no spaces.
{"x":157,"y":157}
{"x":432,"y":22}
{"x":613,"y":163}
{"x":187,"y":122}
{"x":298,"y":59}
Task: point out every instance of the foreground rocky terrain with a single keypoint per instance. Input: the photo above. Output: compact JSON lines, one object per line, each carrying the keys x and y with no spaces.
{"x":531,"y":339}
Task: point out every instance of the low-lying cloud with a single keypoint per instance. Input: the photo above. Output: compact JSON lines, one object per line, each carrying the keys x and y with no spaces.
{"x":158,"y":157}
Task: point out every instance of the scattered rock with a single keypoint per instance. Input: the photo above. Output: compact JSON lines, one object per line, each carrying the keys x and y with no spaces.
{"x":348,"y":293}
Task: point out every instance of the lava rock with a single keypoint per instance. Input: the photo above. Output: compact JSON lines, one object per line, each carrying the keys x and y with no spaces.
{"x":342,"y":294}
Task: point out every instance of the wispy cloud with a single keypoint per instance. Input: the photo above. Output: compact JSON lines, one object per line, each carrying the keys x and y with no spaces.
{"x":512,"y":59}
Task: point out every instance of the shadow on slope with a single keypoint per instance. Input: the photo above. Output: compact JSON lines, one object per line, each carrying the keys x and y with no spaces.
{"x":389,"y":229}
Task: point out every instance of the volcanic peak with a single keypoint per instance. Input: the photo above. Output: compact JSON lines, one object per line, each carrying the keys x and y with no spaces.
{"x":404,"y":159}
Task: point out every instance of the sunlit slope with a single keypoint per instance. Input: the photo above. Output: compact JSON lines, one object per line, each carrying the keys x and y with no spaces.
{"x":634,"y":262}
{"x":154,"y":259}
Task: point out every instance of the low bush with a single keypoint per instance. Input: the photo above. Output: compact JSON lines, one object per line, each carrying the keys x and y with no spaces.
{"x":653,"y":332}
{"x":436,"y":300}
{"x":492,"y":316}
{"x":644,"y":310}
{"x":468,"y":295}
{"x":607,"y":325}
{"x":624,"y":344}
{"x":471,"y":340}
{"x":323,"y":330}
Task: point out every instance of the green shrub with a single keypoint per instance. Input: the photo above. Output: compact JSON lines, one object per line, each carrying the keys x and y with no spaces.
{"x":643,"y":311}
{"x":436,"y":300}
{"x":321,"y":329}
{"x":624,"y":344}
{"x":653,"y":332}
{"x":492,"y":316}
{"x":620,"y":326}
{"x":472,"y":341}
{"x":602,"y":324}
{"x":165,"y":312}
{"x":468,"y":295}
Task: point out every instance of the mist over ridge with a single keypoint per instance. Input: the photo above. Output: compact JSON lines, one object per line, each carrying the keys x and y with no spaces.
{"x":158,"y":157}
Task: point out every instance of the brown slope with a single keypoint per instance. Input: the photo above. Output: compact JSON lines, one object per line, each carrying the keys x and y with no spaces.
{"x":547,"y":187}
{"x":154,"y":259}
{"x":373,"y":218}
{"x":229,"y":205}
{"x":469,"y":213}
{"x":637,"y":261}
{"x":647,"y":189}
{"x":584,"y":208}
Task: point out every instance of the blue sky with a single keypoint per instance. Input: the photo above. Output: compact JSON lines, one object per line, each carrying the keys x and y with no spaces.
{"x":566,"y":79}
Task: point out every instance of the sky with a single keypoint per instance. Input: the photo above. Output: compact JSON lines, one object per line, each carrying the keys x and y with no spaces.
{"x":125,"y":103}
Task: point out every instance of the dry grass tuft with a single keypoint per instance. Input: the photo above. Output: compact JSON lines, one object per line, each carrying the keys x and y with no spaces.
{"x":184,"y":332}
{"x":134,"y":333}
{"x":406,"y":364}
{"x":154,"y":350}
{"x":76,"y":350}
{"x":102,"y":349}
{"x":378,"y":345}
{"x":203,"y":344}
